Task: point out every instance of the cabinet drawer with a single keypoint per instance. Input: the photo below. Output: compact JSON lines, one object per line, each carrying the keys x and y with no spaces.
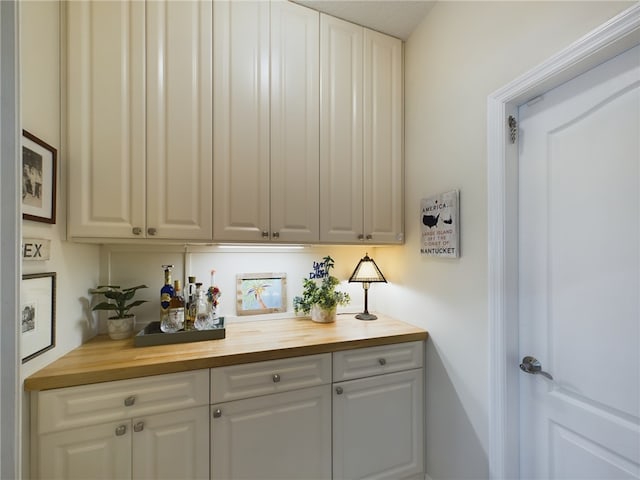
{"x":65,"y":408}
{"x":366,"y":362}
{"x":261,"y":378}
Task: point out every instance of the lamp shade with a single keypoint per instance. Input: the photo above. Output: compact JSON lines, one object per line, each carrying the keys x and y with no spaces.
{"x":367,"y":271}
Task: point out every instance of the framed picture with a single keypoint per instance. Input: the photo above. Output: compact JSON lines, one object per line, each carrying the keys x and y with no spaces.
{"x":37,"y":314}
{"x":440,"y":224}
{"x":259,"y":293}
{"x":39,"y":167}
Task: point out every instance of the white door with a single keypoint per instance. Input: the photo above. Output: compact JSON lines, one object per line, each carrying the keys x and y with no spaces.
{"x":579,"y":216}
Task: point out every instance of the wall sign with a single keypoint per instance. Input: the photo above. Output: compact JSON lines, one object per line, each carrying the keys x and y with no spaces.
{"x":36,"y":249}
{"x":440,"y":222}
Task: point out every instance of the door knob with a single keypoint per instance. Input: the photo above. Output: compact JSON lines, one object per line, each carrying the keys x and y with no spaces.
{"x":533,"y":366}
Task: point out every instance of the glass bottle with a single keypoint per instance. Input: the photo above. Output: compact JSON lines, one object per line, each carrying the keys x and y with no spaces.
{"x":204,"y":314}
{"x":176,"y":308}
{"x":190,"y":304}
{"x":166,"y":292}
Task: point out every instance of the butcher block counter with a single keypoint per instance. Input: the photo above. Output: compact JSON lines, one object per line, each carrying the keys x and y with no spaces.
{"x":102,"y":359}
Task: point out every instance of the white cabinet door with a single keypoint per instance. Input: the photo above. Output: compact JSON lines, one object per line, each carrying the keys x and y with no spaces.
{"x":280,"y":436}
{"x":341,"y":55}
{"x":140,"y":119}
{"x":241,"y":119}
{"x":295,"y":117}
{"x":106,"y":119}
{"x":383,"y":139}
{"x":378,"y":427}
{"x":96,"y":452}
{"x":172,"y":445}
{"x":179,"y":119}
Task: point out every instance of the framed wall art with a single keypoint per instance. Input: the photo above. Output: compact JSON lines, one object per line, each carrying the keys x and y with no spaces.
{"x":37,"y":314}
{"x":440,"y":225}
{"x":259,"y":293}
{"x":39,"y":168}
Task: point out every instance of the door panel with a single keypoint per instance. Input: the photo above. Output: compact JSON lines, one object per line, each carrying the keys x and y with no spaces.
{"x":580,"y":275}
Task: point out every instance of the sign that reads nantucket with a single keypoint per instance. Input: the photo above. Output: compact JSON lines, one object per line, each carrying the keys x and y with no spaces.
{"x":36,"y":249}
{"x":439,"y":219}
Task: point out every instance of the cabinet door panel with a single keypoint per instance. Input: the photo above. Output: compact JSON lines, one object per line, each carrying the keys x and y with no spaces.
{"x":179,"y":119}
{"x":241,"y":118}
{"x":279,"y":436}
{"x":106,"y":118}
{"x":382,"y":138}
{"x":378,"y":427}
{"x":295,"y":117}
{"x":86,"y":453}
{"x":340,"y":131}
{"x":172,"y":445}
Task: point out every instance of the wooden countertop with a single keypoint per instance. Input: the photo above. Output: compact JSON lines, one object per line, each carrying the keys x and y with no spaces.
{"x":102,"y":359}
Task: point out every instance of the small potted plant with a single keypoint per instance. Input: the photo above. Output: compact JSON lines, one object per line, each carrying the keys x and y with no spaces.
{"x":120,"y":302}
{"x":321,"y":300}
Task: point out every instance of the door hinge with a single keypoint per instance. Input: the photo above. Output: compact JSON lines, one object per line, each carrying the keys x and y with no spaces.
{"x":513,"y":128}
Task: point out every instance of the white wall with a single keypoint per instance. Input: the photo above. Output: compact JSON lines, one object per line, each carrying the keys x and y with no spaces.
{"x":76,"y":265}
{"x":462,"y":52}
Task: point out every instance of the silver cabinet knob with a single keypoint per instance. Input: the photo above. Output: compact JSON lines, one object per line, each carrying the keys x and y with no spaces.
{"x":138,"y":427}
{"x":121,"y":430}
{"x":265,"y":234}
{"x":339,"y":390}
{"x":136,"y":230}
{"x":533,"y":366}
{"x":152,"y":231}
{"x":129,"y":401}
{"x":276,"y":378}
{"x":360,"y":236}
{"x":382,"y":361}
{"x":217,"y":413}
{"x":369,"y":236}
{"x":276,"y":234}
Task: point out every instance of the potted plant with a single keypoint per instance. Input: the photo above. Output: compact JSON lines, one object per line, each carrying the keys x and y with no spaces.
{"x":321,"y":300}
{"x":120,"y":302}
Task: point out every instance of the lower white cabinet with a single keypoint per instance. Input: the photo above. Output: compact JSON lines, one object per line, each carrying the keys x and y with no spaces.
{"x":152,"y":427}
{"x":278,"y":436}
{"x":163,"y":446}
{"x":378,"y":427}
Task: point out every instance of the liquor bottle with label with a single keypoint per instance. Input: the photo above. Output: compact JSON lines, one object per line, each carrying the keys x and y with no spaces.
{"x":190,"y":304}
{"x":176,"y":308}
{"x":166,"y":292}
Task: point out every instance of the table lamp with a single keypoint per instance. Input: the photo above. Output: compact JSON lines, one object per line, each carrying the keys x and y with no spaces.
{"x":366,"y":272}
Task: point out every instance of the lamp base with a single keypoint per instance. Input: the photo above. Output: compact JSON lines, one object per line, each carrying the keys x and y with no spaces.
{"x":365,"y":316}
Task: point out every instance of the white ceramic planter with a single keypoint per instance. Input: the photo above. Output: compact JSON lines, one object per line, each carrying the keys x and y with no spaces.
{"x":322,"y":315}
{"x":120,"y":328}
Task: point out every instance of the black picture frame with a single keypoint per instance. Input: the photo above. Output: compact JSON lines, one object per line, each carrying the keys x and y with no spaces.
{"x":39,"y":179}
{"x":37,"y":321}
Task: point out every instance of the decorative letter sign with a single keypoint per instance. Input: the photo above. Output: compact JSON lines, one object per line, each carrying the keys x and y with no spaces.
{"x":36,"y":249}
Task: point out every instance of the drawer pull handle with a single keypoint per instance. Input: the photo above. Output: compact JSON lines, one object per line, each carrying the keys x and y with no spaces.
{"x":121,"y":430}
{"x":276,"y":378}
{"x":138,"y":427}
{"x":382,"y":361}
{"x":339,"y":390}
{"x":129,"y":401}
{"x":217,"y":413}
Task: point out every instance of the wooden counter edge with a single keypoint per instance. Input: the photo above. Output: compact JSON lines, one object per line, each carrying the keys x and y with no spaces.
{"x":51,"y":381}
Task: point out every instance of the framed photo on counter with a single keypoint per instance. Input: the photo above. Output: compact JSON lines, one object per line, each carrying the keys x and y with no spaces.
{"x":37,"y":314}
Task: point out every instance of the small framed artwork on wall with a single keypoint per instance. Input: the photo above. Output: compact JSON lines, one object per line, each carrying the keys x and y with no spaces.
{"x":37,"y":314}
{"x":39,"y":169}
{"x":259,"y":293}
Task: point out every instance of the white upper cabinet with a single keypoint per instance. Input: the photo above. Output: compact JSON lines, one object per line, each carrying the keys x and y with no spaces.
{"x":361,"y":177}
{"x":295,"y":122}
{"x":139,"y":119}
{"x":266,"y":102}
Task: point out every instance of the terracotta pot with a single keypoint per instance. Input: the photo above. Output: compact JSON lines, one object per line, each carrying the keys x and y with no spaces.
{"x":323,"y":315}
{"x":120,"y":328}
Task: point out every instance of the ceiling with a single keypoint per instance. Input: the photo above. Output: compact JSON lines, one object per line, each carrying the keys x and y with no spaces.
{"x":397,"y":18}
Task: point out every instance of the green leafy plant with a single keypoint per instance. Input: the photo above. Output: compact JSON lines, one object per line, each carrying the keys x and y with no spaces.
{"x":322,"y":294}
{"x":117,"y":299}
